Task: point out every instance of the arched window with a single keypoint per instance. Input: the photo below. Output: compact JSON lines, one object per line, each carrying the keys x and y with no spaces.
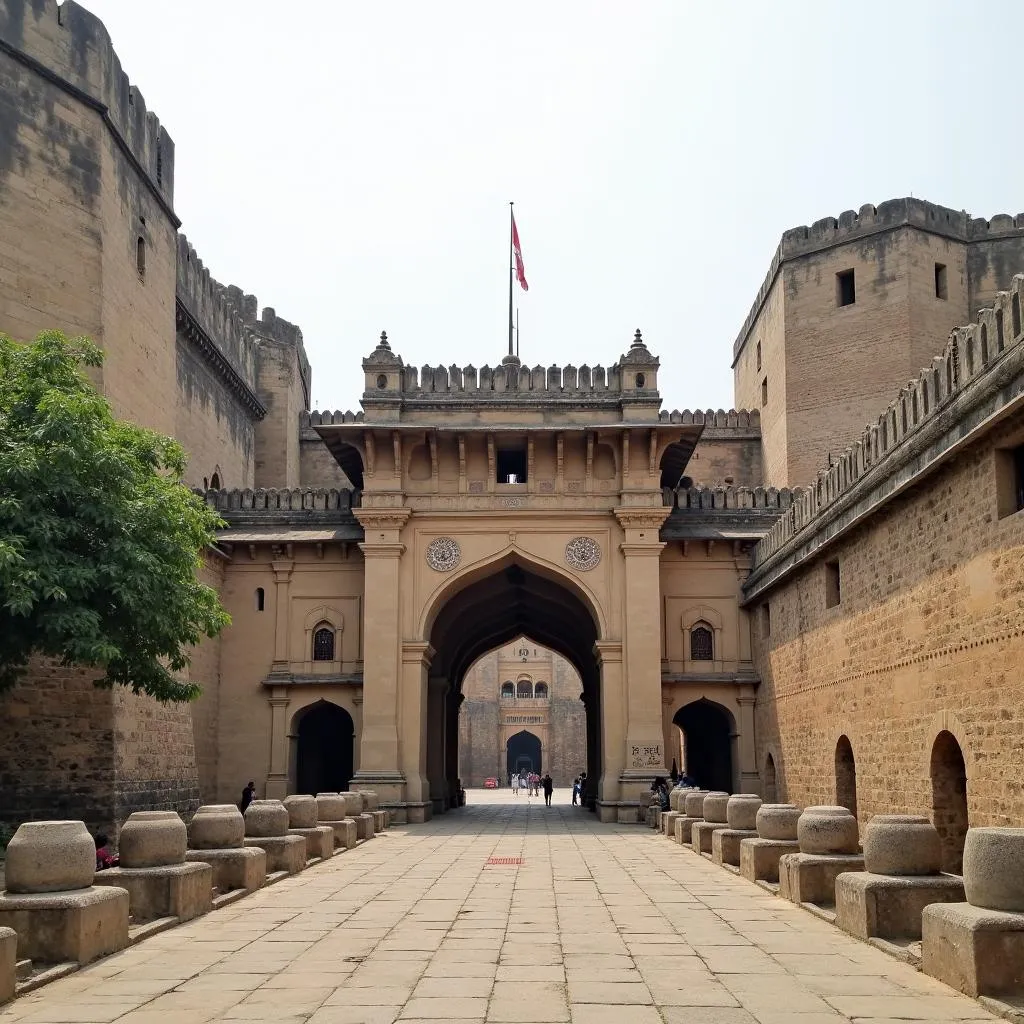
{"x":702,"y":643}
{"x":540,"y":691}
{"x":949,"y":799}
{"x":524,"y":688}
{"x":215,"y":482}
{"x":323,"y":643}
{"x":508,"y":689}
{"x":846,"y":776}
{"x":260,"y":599}
{"x":140,"y":256}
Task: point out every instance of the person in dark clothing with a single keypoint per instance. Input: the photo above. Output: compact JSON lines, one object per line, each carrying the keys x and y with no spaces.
{"x":248,"y":795}
{"x":549,"y":786}
{"x":583,"y":787}
{"x":104,"y":858}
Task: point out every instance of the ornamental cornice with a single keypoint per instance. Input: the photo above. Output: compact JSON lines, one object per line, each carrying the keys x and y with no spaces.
{"x":382,"y":518}
{"x":642,"y":518}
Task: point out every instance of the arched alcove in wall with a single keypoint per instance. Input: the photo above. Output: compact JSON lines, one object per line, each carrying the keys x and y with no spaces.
{"x":846,"y":775}
{"x":771,"y":786}
{"x":524,"y":753}
{"x":949,"y":799}
{"x":324,"y":735}
{"x":709,"y":731}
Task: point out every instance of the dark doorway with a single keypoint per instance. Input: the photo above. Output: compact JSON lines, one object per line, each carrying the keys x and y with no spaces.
{"x":949,"y":799}
{"x":707,"y":736}
{"x":523,"y":753}
{"x":846,"y":776}
{"x":326,"y":740}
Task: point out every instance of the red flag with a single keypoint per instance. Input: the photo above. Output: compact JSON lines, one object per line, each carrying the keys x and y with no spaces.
{"x":520,"y":269}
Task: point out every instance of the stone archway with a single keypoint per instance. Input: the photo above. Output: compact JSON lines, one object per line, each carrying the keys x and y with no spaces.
{"x":949,"y":799}
{"x":325,"y":748}
{"x":523,"y":753}
{"x":846,"y":775}
{"x":708,"y":736}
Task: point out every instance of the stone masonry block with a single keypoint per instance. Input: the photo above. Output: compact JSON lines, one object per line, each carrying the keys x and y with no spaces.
{"x":976,"y":951}
{"x":364,"y":823}
{"x":8,"y":959}
{"x":725,"y":844}
{"x":346,"y":833}
{"x":759,"y":858}
{"x":668,"y":823}
{"x":284,"y":853}
{"x":380,"y":820}
{"x":890,"y":906}
{"x":241,"y":868}
{"x":702,"y":833}
{"x":811,"y":877}
{"x":684,"y":829}
{"x":319,"y":840}
{"x":170,"y":890}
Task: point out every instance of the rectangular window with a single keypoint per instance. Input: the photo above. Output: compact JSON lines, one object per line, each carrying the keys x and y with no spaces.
{"x":1010,"y":480}
{"x":764,"y":391}
{"x":511,"y":465}
{"x":846,"y":289}
{"x":941,"y":291}
{"x":759,"y":355}
{"x":766,"y":620}
{"x":832,"y":593}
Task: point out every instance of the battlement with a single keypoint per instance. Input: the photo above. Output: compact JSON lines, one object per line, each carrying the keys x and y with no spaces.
{"x":870,"y":220}
{"x":721,"y":498}
{"x":72,"y":48}
{"x":971,"y":354}
{"x":311,"y":499}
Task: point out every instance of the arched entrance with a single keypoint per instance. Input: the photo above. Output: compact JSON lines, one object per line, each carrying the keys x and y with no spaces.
{"x":325,"y":743}
{"x":846,"y":776}
{"x":516,"y":599}
{"x":949,"y":799}
{"x":523,"y":753}
{"x":708,"y":730}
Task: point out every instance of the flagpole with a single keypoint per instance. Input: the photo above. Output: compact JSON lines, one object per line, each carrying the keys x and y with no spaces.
{"x":517,"y":332}
{"x":510,"y":265}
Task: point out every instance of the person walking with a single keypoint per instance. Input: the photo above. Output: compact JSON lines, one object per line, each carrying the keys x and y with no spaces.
{"x":575,"y":790}
{"x":515,"y":783}
{"x":549,"y":787}
{"x":248,"y":795}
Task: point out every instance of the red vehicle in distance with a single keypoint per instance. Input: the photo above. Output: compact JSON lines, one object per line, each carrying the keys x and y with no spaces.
{"x":490,"y":783}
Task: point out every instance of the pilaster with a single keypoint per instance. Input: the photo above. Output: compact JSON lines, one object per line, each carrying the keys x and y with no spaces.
{"x":277,"y":777}
{"x":437,"y":688}
{"x":746,"y":745}
{"x":282,"y":604}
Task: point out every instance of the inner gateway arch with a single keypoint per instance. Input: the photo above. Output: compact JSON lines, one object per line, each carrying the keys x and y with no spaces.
{"x":486,"y":506}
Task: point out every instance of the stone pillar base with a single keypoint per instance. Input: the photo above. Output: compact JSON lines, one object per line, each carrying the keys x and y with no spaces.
{"x":627,"y":813}
{"x":683,"y":826}
{"x":380,"y":820}
{"x":607,"y":812}
{"x":238,"y":868}
{"x":319,"y":840}
{"x":759,"y":858}
{"x":651,"y":816}
{"x":811,"y":877}
{"x":890,"y":906}
{"x":54,"y":927}
{"x":725,"y":844}
{"x":8,"y":962}
{"x":346,"y":834}
{"x":284,"y":853}
{"x":171,"y":890}
{"x":702,"y":832}
{"x":668,"y":823}
{"x":364,"y":824}
{"x":976,"y":951}
{"x":398,"y":814}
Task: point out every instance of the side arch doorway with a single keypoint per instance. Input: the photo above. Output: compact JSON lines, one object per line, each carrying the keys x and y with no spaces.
{"x":324,"y":749}
{"x":709,"y":732}
{"x":523,"y":753}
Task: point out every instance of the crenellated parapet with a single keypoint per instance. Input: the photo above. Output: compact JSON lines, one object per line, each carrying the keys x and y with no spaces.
{"x":312,"y":499}
{"x":771,"y":498}
{"x":723,"y":420}
{"x":929,"y":415}
{"x":72,"y":48}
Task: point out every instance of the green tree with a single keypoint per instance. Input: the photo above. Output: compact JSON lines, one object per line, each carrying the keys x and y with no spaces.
{"x":100,"y":541}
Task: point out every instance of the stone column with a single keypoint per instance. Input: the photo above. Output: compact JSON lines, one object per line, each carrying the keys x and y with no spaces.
{"x":416,"y":657}
{"x":612,"y":730}
{"x":746,"y":748}
{"x":277,"y":777}
{"x":437,"y":722}
{"x":282,"y":605}
{"x":379,"y":766}
{"x":451,"y":709}
{"x":644,"y":748}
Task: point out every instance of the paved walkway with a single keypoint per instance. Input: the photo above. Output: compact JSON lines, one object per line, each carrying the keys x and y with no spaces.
{"x":600,"y":924}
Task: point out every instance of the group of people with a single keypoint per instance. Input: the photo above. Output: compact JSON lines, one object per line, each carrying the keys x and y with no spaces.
{"x":579,"y":787}
{"x":533,"y":784}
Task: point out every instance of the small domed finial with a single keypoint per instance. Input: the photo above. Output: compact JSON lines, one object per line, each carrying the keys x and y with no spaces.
{"x":638,"y":339}
{"x":384,"y":340}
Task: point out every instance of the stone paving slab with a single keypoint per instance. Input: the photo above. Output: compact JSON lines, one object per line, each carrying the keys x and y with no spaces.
{"x":599,"y":924}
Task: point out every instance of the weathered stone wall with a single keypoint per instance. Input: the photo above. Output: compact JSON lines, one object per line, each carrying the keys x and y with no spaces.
{"x":728,"y":452}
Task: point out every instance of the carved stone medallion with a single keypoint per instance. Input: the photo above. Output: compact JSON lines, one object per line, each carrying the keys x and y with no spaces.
{"x":582,"y":553}
{"x":443,"y":554}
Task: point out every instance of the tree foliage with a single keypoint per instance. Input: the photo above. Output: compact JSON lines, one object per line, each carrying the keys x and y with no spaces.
{"x":100,"y":541}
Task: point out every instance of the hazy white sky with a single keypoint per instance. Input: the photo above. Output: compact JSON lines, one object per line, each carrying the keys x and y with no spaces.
{"x":351,"y":163}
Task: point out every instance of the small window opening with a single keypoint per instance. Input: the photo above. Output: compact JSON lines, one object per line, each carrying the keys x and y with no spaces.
{"x":206,"y":483}
{"x":260,"y":599}
{"x":382,"y":381}
{"x":323,"y":644}
{"x":508,"y":690}
{"x":1015,"y":313}
{"x":159,"y":167}
{"x":832,"y":589}
{"x":766,"y":619}
{"x":764,"y":391}
{"x":1000,"y":333}
{"x":941,"y":290}
{"x":846,"y":288}
{"x":1010,"y":480}
{"x":140,"y":256}
{"x":524,"y":689}
{"x":702,"y":643}
{"x":540,"y":691}
{"x":759,"y":355}
{"x":511,"y":466}
{"x":215,"y":482}
{"x":641,"y":380}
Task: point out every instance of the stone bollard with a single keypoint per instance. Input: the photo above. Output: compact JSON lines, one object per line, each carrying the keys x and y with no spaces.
{"x":776,"y":836}
{"x":741,"y":812}
{"x":303,"y":821}
{"x":354,"y":810}
{"x":829,"y":842}
{"x":977,"y":947}
{"x":901,"y":876}
{"x":8,"y":963}
{"x":693,"y":811}
{"x":216,"y":837}
{"x":716,"y":811}
{"x":266,"y":826}
{"x":160,"y":882}
{"x":50,"y":901}
{"x":371,"y":806}
{"x":330,"y":809}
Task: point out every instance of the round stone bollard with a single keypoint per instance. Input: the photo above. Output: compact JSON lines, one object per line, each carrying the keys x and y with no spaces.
{"x":330,"y":807}
{"x":677,"y":798}
{"x":371,"y":801}
{"x":716,"y":807}
{"x":993,"y":868}
{"x":826,"y":830}
{"x":302,"y":810}
{"x":693,"y":803}
{"x":741,"y":811}
{"x":778,"y":822}
{"x":353,"y":804}
{"x":151,"y":839}
{"x":50,"y":856}
{"x":266,"y":819}
{"x":902,"y":844}
{"x":216,"y":827}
